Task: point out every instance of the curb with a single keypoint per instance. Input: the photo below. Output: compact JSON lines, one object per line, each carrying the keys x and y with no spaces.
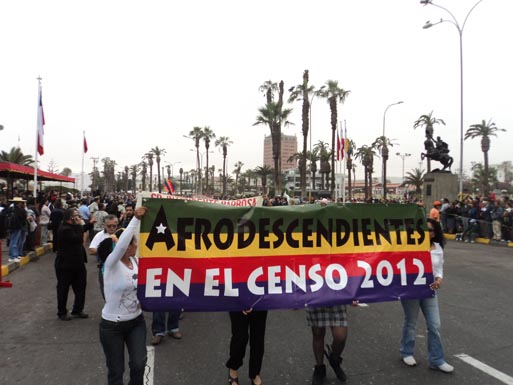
{"x":483,"y":241}
{"x":33,"y":255}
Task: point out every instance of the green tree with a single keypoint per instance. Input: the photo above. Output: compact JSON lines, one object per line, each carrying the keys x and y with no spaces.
{"x":323,"y":152}
{"x":237,"y":171}
{"x":484,"y":130}
{"x":415,"y":178}
{"x":207,"y":136}
{"x":349,"y":165}
{"x":149,"y":157}
{"x":66,"y":171}
{"x":158,"y":152}
{"x":303,"y":92}
{"x":334,"y":95}
{"x":366,"y":155}
{"x":381,"y":144}
{"x":275,"y":116}
{"x":196,"y":134}
{"x":15,"y":155}
{"x":263,"y":172}
{"x":478,"y":180}
{"x":144,"y":173}
{"x":224,"y":142}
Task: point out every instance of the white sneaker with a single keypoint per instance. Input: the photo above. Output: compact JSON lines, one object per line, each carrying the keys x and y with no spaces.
{"x":17,"y":259}
{"x":410,"y":361}
{"x":445,"y":367}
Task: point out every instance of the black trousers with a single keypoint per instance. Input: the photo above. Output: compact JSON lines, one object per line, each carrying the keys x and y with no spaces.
{"x":77,"y":279}
{"x":250,"y":327}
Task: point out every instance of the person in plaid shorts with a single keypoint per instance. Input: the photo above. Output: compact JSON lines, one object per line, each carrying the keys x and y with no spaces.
{"x":318,"y":319}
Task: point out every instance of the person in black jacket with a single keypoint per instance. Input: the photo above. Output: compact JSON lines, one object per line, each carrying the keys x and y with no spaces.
{"x":55,"y":222}
{"x":70,"y":264}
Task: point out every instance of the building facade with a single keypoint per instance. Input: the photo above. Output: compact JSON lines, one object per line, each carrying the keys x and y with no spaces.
{"x":288,"y":148}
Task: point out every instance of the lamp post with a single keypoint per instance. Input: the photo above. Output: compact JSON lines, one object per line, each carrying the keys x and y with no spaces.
{"x":384,"y":152}
{"x":460,"y":33}
{"x":403,"y":156}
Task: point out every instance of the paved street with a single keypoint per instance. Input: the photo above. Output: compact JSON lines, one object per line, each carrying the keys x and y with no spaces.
{"x":476,"y":307}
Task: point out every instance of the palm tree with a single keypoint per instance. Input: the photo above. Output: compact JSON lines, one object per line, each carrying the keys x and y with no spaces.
{"x":313,"y":156}
{"x":196,"y":134}
{"x":484,"y":130}
{"x":144,"y":173}
{"x":275,"y":116}
{"x":208,"y":135}
{"x":381,"y":144}
{"x":134,"y":170}
{"x":15,"y":155}
{"x":415,"y":178}
{"x":149,"y":157}
{"x":224,"y":142}
{"x":366,"y":155}
{"x":236,"y":171}
{"x":66,"y":171}
{"x":478,"y":181}
{"x":333,"y":95}
{"x":302,"y":92}
{"x":349,"y":164}
{"x":263,"y":172}
{"x":158,"y":152}
{"x":324,"y":155}
{"x":109,"y":173}
{"x":428,"y":121}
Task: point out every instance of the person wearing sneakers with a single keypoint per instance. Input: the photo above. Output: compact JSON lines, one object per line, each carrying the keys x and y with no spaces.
{"x":158,"y":326}
{"x":429,"y":308}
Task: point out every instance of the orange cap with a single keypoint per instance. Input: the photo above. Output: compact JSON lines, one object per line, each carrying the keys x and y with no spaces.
{"x":437,"y":203}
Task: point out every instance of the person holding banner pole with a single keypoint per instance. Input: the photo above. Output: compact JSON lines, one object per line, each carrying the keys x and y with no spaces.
{"x":429,"y":307}
{"x":246,"y":326}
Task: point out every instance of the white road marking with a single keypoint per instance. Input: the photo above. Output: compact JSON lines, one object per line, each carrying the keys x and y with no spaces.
{"x":150,"y":365}
{"x":504,"y":378}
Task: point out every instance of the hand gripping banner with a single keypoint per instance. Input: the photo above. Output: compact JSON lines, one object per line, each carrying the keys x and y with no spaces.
{"x":199,"y":256}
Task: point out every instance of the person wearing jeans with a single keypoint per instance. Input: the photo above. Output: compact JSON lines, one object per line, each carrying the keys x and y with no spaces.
{"x":429,"y":307}
{"x":122,"y":320}
{"x":158,"y":326}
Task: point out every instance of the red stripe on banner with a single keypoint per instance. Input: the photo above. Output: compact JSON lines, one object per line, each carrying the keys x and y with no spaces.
{"x":356,"y":265}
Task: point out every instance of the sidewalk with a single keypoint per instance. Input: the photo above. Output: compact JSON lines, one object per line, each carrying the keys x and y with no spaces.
{"x":8,"y":267}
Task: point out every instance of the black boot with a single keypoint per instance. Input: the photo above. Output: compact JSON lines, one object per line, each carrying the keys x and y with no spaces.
{"x":335,"y":363}
{"x":319,"y":375}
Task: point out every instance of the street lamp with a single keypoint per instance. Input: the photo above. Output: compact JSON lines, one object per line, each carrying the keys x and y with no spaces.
{"x":403,"y":156}
{"x":460,"y":32}
{"x":384,"y":152}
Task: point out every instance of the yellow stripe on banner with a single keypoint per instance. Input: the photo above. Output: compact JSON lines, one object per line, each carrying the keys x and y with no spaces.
{"x":160,"y":250}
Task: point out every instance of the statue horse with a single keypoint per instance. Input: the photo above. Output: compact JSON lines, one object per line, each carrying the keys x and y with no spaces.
{"x":443,"y":158}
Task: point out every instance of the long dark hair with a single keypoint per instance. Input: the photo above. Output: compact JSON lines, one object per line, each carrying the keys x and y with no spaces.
{"x":439,"y":235}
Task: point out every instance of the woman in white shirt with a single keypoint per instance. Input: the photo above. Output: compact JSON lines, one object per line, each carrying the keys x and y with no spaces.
{"x":122,"y":319}
{"x":429,"y":307}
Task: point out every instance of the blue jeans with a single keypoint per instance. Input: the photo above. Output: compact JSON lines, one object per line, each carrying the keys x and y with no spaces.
{"x":429,"y":307}
{"x":113,"y":337}
{"x":16,"y":240}
{"x":158,"y":325}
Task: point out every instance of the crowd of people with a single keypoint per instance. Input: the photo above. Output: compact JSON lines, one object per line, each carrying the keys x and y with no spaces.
{"x":107,"y":224}
{"x":489,"y":218}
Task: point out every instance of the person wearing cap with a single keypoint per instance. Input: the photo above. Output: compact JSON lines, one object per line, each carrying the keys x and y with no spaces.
{"x":17,"y":227}
{"x":434,"y":213}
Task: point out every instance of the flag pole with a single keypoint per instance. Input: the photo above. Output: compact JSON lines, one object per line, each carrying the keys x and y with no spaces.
{"x":82,"y":172}
{"x":38,"y":133}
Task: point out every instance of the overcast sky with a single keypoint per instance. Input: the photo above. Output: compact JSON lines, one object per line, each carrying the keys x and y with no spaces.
{"x":134,"y":75}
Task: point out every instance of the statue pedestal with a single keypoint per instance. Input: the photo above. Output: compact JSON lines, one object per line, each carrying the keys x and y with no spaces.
{"x":439,"y":185}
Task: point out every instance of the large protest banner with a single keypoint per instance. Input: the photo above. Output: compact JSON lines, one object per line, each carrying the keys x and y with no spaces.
{"x":199,"y":256}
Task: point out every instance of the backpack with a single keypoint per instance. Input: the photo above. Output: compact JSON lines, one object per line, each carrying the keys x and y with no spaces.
{"x":12,"y":221}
